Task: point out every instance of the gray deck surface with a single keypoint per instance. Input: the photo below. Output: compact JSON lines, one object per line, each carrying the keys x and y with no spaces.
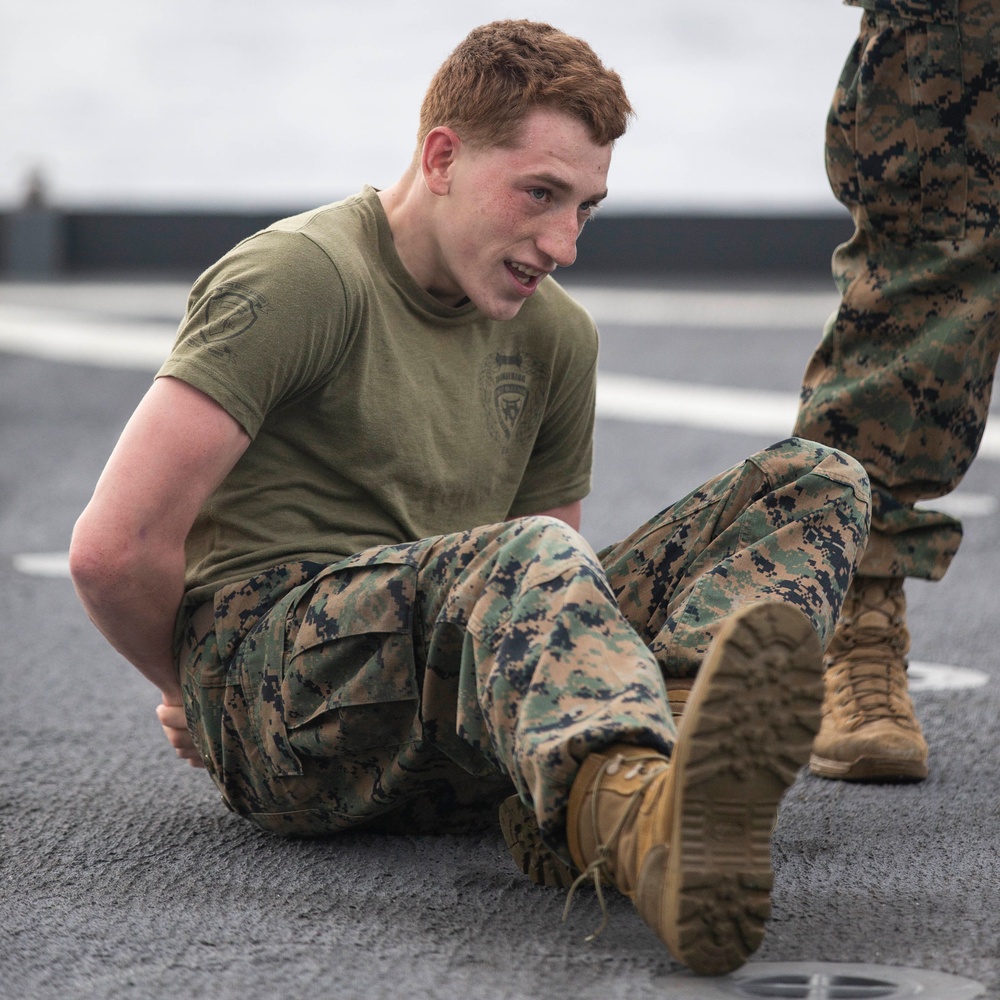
{"x":123,"y":876}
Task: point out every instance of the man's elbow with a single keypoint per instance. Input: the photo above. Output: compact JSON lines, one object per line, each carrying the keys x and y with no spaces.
{"x":86,"y":567}
{"x":97,"y":564}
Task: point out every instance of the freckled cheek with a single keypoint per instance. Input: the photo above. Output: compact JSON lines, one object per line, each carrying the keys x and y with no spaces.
{"x":515,"y":225}
{"x":510,"y":208}
{"x":500,"y":223}
{"x":497,"y":233}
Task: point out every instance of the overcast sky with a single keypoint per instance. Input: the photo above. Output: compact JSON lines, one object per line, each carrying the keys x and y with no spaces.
{"x":289,"y":103}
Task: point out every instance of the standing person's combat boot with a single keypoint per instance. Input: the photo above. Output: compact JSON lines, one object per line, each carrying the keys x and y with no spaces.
{"x":869,"y":730}
{"x":688,"y":838}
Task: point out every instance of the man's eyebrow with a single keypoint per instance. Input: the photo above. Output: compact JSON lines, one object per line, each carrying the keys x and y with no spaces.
{"x":553,"y":181}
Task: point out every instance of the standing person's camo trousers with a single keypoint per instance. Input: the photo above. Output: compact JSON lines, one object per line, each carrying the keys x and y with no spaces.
{"x":902,"y":378}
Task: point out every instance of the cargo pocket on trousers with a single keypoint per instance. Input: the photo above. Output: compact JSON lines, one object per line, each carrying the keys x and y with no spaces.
{"x":254,"y":699}
{"x":910,"y":130}
{"x":349,"y":683}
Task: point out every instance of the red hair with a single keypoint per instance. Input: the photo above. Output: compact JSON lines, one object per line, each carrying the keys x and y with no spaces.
{"x":506,"y":69}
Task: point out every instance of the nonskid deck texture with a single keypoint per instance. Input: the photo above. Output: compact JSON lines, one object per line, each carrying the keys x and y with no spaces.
{"x":125,"y":876}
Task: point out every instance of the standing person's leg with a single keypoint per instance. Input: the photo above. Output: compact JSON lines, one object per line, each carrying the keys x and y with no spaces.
{"x":903,"y":375}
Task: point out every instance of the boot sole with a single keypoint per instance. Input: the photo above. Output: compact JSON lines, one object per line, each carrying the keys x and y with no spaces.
{"x":748,"y":729}
{"x":530,"y":853}
{"x":869,"y":769}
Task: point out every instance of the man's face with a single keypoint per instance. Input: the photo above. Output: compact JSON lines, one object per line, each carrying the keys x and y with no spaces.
{"x":513,"y":214}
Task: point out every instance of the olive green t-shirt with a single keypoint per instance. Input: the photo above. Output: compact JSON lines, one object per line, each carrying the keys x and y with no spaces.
{"x":377,"y":414}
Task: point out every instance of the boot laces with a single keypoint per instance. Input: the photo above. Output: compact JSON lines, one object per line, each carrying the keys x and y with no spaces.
{"x":599,"y":870}
{"x":873,"y":618}
{"x":868,"y":653}
{"x":876,"y":691}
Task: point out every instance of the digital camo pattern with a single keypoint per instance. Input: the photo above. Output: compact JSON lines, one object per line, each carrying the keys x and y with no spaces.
{"x":410,"y":687}
{"x":903,"y":376}
{"x":787,"y":525}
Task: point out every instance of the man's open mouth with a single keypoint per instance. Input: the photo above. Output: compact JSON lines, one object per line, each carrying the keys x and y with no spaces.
{"x":527,"y":276}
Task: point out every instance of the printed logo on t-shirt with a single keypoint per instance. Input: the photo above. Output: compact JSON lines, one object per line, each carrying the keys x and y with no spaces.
{"x":510,"y":390}
{"x":231,"y":310}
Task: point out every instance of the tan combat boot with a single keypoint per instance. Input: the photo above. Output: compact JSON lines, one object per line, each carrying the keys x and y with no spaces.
{"x":869,"y":730}
{"x":520,"y":830}
{"x":688,"y":839}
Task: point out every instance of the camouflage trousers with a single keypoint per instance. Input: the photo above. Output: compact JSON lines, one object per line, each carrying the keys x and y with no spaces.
{"x":903,"y":375}
{"x":411,"y":686}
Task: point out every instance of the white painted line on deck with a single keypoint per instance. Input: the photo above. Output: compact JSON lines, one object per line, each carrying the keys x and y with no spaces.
{"x":143,"y":346}
{"x":650,"y":400}
{"x":683,"y":404}
{"x":963,"y":505}
{"x":941,"y":677}
{"x":706,"y":309}
{"x":52,"y":564}
{"x":112,"y":344}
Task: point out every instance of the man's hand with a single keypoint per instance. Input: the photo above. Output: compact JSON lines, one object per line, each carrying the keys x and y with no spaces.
{"x":175,"y":728}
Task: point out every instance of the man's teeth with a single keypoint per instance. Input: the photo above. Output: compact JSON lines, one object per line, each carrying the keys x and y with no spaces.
{"x":528,"y":272}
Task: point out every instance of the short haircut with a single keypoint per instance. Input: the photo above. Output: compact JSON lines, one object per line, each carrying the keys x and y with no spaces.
{"x":504,"y":70}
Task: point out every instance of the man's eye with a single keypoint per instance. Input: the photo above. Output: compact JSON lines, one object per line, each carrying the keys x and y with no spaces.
{"x":538,"y":194}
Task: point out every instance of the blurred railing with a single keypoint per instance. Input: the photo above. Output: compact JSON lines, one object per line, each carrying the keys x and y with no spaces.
{"x":46,"y":242}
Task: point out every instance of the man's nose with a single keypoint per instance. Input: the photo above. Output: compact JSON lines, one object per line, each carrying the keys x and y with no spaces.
{"x":558,"y":241}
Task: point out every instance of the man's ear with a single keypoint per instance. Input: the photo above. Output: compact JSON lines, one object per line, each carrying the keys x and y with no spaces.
{"x":437,"y":159}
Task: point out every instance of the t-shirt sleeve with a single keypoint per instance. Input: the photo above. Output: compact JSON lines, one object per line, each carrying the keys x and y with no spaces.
{"x":264,"y":326}
{"x":559,"y":471}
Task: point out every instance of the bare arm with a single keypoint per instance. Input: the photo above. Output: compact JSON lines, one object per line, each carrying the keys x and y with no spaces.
{"x":571,"y":513}
{"x":127,"y":551}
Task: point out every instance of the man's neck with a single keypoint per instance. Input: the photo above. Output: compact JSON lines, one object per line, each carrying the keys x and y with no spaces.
{"x":407,"y":207}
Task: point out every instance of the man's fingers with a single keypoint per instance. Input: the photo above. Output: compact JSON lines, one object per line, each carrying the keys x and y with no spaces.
{"x":174,"y":724}
{"x":192,"y":757}
{"x":171,"y":716}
